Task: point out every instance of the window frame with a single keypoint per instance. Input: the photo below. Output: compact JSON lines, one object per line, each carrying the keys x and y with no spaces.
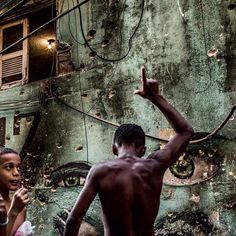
{"x":24,"y":53}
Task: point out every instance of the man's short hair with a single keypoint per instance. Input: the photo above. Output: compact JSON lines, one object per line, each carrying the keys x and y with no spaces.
{"x":129,"y":134}
{"x":5,"y":150}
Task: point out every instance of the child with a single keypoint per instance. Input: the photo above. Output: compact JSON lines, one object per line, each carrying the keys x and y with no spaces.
{"x":10,"y":180}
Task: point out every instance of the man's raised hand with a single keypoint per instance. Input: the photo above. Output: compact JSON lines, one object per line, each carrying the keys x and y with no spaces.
{"x":149,"y":88}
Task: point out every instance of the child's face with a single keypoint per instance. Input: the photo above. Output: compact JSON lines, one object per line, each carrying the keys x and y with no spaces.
{"x":9,"y":171}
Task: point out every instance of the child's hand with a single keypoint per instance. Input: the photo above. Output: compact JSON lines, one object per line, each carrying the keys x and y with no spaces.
{"x":19,"y":200}
{"x":3,"y":211}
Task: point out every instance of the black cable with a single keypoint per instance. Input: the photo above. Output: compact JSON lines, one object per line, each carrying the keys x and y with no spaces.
{"x":207,"y":137}
{"x":100,"y":119}
{"x":83,"y":113}
{"x":82,"y":103}
{"x":69,"y":27}
{"x":53,"y":53}
{"x":214,"y":132}
{"x":129,"y":42}
{"x":51,"y":73}
{"x":72,"y":35}
{"x":114,"y":69}
{"x":59,"y":22}
{"x":42,"y":26}
{"x":6,"y":4}
{"x":4,"y":14}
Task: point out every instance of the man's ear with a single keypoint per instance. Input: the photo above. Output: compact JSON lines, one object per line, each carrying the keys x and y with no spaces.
{"x":114,"y":149}
{"x":142,"y":151}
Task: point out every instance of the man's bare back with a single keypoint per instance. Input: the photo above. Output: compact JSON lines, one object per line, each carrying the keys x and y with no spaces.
{"x":129,"y":190}
{"x":129,"y":187}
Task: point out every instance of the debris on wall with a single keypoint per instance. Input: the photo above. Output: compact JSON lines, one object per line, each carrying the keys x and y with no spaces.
{"x":65,"y":64}
{"x":189,"y":223}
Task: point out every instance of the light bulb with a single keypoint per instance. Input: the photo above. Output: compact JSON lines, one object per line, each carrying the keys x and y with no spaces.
{"x":50,"y":42}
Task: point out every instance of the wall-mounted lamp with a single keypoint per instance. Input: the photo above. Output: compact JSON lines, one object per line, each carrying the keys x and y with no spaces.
{"x":50,"y":42}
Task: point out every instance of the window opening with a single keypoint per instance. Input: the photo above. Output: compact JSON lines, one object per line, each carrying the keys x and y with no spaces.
{"x":14,"y":62}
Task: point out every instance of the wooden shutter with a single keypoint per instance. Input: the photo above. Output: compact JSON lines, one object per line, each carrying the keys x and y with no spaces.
{"x":14,"y":65}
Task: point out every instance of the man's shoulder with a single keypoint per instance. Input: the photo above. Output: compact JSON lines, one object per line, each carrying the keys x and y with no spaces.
{"x":101,"y":167}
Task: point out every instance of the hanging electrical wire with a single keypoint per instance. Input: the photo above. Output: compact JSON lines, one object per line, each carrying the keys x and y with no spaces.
{"x":51,"y":75}
{"x":69,"y":27}
{"x":115,"y":60}
{"x":119,"y":53}
{"x":53,"y":54}
{"x":82,"y":103}
{"x":42,"y":26}
{"x":5,"y":4}
{"x":86,"y":41}
{"x":100,"y":119}
{"x":215,"y":131}
{"x":129,"y":41}
{"x":4,"y":14}
{"x":209,"y":136}
{"x":59,"y":22}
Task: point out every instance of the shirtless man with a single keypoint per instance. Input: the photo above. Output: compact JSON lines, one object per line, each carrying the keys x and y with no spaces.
{"x":129,"y":187}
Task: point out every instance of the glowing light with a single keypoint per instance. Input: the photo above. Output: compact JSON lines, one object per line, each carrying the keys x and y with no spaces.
{"x":50,"y":42}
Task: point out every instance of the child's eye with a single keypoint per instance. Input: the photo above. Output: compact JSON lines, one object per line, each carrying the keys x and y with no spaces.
{"x":8,"y":167}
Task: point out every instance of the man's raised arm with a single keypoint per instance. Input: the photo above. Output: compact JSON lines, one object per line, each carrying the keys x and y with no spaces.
{"x":175,"y":147}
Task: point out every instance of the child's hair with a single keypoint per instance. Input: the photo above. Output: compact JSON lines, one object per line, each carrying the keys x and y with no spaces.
{"x":129,"y":133}
{"x":4,"y":150}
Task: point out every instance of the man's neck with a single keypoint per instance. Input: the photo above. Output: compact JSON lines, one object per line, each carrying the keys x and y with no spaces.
{"x":125,"y":151}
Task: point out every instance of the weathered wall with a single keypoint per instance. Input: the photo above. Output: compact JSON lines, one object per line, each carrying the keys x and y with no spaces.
{"x":172,"y":41}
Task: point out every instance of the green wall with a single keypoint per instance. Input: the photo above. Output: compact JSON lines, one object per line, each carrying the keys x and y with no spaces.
{"x":172,"y":41}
